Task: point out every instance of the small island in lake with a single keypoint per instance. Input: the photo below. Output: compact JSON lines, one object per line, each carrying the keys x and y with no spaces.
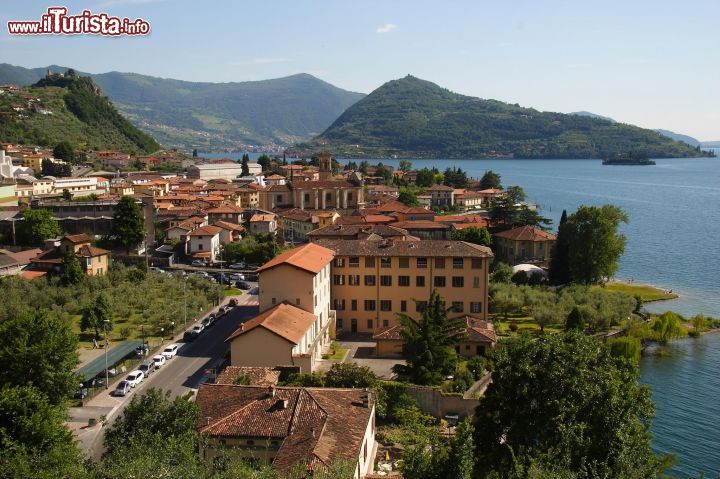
{"x":628,"y":159}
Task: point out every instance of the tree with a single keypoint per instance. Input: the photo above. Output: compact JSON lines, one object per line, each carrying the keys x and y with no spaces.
{"x":408,"y":198}
{"x":566,"y":400}
{"x":425,"y":177}
{"x":266,"y":163}
{"x":97,"y":315}
{"x":64,"y":151}
{"x":515,"y":193}
{"x":384,"y":172}
{"x":490,"y":180}
{"x":429,"y":345}
{"x":504,"y":298}
{"x":473,"y":235}
{"x":349,"y":375}
{"x":668,"y":326}
{"x":128,"y":227}
{"x":546,"y":315}
{"x":194,"y":153}
{"x":245,"y":169}
{"x":405,"y":165}
{"x":66,"y":194}
{"x":37,"y":226}
{"x":71,"y":272}
{"x":40,"y":349}
{"x":460,"y":461}
{"x":575,"y":320}
{"x":455,"y":177}
{"x":503,"y":273}
{"x":153,"y":414}
{"x":592,"y":243}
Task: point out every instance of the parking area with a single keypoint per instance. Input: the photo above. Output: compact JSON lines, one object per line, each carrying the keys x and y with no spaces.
{"x":362,"y":352}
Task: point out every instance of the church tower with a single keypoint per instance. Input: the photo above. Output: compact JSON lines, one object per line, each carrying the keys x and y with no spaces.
{"x":325,"y":164}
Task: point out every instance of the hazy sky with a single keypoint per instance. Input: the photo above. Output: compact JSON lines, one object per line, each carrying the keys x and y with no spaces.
{"x":651,"y":63}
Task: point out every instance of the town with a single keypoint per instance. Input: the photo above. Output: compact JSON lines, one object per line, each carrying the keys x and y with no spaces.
{"x":337,"y":313}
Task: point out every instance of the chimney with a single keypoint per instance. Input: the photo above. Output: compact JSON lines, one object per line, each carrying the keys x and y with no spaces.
{"x":271,"y":391}
{"x":365,"y":397}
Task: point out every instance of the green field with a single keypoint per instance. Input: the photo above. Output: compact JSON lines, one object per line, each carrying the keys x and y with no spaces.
{"x":646,"y":292}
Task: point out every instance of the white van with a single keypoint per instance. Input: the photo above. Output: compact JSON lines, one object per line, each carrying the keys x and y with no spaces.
{"x":170,"y":351}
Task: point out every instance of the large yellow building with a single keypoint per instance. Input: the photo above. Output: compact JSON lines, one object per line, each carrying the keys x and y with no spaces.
{"x":372,"y":281}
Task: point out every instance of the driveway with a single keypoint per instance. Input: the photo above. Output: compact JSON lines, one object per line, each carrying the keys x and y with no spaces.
{"x":362,"y":352}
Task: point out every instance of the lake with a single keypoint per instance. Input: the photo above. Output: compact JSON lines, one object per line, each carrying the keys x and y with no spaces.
{"x":673,"y":241}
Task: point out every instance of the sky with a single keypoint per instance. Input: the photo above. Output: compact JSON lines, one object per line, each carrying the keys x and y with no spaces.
{"x":655,"y":63}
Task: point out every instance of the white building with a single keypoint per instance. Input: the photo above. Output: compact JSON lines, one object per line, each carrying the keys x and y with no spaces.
{"x":8,"y":170}
{"x":225,"y":171}
{"x":205,"y":243}
{"x":77,"y":186}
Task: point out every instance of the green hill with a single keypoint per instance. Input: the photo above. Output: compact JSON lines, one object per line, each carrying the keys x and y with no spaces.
{"x":216,"y":115}
{"x":413,"y":118}
{"x":70,"y":108}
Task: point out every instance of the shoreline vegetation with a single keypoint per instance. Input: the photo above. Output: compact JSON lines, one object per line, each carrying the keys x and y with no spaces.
{"x":648,"y":293}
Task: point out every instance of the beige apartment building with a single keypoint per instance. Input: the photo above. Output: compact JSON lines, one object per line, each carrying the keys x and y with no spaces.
{"x":296,"y":322}
{"x":372,"y":281}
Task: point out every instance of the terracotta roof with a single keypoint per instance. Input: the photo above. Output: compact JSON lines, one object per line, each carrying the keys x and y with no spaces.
{"x":32,"y":274}
{"x":526,"y":233}
{"x":226,"y":208}
{"x":287,"y":321}
{"x":228,"y":226}
{"x":315,"y":426}
{"x":309,"y":257}
{"x":205,"y":231}
{"x":357,"y":231}
{"x":389,"y":247}
{"x":422,"y":224}
{"x":305,"y":185}
{"x":258,"y":376}
{"x":477,"y":330}
{"x":491,"y":191}
{"x":262,"y":218}
{"x":275,"y":177}
{"x":378,"y":219}
{"x":275,"y":188}
{"x":440,"y":188}
{"x":77,"y":239}
{"x":89,"y":251}
{"x":23,"y":257}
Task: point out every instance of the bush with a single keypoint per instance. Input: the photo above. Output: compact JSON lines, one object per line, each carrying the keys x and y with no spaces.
{"x":477,"y":365}
{"x":514,"y":326}
{"x":519,"y":277}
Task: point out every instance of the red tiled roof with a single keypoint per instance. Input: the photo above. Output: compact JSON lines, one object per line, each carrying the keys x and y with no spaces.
{"x":228,"y":226}
{"x":205,"y":231}
{"x":259,"y":218}
{"x":309,"y":257}
{"x":287,"y":321}
{"x":526,"y":233}
{"x":258,"y":376}
{"x":79,"y":238}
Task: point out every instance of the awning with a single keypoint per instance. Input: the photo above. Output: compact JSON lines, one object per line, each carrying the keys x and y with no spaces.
{"x":202,"y":254}
{"x":114,"y":356}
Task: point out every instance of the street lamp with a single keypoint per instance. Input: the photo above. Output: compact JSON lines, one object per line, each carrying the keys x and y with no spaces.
{"x":142,"y":334}
{"x":162,"y":335}
{"x":172,"y":325}
{"x":107,"y":373}
{"x":184,"y":302}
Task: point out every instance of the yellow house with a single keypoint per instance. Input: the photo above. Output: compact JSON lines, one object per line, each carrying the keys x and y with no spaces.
{"x":373,"y":280}
{"x":526,"y":244}
{"x":93,"y":260}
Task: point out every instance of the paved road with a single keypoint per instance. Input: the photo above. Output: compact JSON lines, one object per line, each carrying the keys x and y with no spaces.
{"x":179,"y":375}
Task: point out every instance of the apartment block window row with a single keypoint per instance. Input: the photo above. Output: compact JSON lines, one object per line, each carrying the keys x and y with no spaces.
{"x":422,"y":262}
{"x":476,"y":263}
{"x":419,"y":281}
{"x":403,"y":280}
{"x":458,"y":282}
{"x":385,"y":305}
{"x":339,"y":304}
{"x":354,"y":262}
{"x":340,"y":262}
{"x":385,"y":262}
{"x":403,"y":306}
{"x":385,"y":280}
{"x":457,"y":306}
{"x":439,"y":281}
{"x":369,"y":280}
{"x":458,"y":263}
{"x":354,"y":279}
{"x":476,"y":307}
{"x":353,"y":304}
{"x":370,"y":305}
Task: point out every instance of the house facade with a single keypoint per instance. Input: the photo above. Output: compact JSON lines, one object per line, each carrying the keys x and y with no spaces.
{"x":372,"y":281}
{"x":526,"y":244}
{"x":204,"y":243}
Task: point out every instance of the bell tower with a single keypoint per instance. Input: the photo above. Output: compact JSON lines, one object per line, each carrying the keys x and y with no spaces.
{"x":325,"y":164}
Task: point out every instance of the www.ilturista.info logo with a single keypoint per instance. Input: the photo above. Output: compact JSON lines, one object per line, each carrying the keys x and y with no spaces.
{"x":57,"y":22}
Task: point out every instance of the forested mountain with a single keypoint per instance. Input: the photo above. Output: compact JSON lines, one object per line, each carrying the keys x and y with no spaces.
{"x":414,"y":118}
{"x":70,"y":108}
{"x":216,"y":115}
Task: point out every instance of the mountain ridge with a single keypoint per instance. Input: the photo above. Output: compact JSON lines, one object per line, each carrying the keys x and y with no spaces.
{"x":211,"y":116}
{"x":414,"y":118}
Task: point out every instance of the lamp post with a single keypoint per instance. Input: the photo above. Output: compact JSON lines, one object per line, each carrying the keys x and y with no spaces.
{"x":184,"y":302}
{"x":172,"y":325}
{"x":162,"y":335}
{"x":107,"y":373}
{"x":142,"y":335}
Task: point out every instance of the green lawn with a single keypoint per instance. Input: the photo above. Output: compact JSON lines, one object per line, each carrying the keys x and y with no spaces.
{"x":525,"y":324}
{"x":233,"y":292}
{"x":647,"y":293}
{"x":336,"y":353}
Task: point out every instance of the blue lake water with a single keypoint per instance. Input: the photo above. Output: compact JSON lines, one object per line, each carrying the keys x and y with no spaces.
{"x":673,"y":241}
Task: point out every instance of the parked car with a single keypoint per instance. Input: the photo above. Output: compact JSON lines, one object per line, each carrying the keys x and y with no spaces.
{"x":122,"y":388}
{"x":135,"y":377}
{"x":253,"y":266}
{"x":159,"y":360}
{"x":198,"y":328}
{"x":170,"y":351}
{"x":254,"y":277}
{"x":198,"y":263}
{"x":147,"y":368}
{"x":236,"y":277}
{"x":189,"y":336}
{"x":209,"y":321}
{"x":238,"y":266}
{"x":243,"y":285}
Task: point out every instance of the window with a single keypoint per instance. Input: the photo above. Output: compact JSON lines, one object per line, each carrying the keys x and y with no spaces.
{"x":458,"y":281}
{"x":475,"y":307}
{"x":476,"y":281}
{"x":307,"y":196}
{"x":403,"y":306}
{"x":297,"y":301}
{"x":354,"y":261}
{"x":200,"y":247}
{"x":403,"y":280}
{"x":338,"y":322}
{"x":369,"y":280}
{"x":354,"y":279}
{"x":419,"y":281}
{"x":353,"y":304}
{"x":422,"y":262}
{"x":439,"y":281}
{"x":369,"y":305}
{"x":339,"y":279}
{"x":385,"y":305}
{"x":385,"y":262}
{"x":458,"y":263}
{"x":404,"y":262}
{"x":340,"y":262}
{"x":440,"y":263}
{"x":457,"y":306}
{"x":370,"y":323}
{"x":385,"y":280}
{"x":420,"y":306}
{"x":476,"y":263}
{"x":349,"y":196}
{"x":386,"y":323}
{"x":314,"y":300}
{"x":369,"y":262}
{"x":278,"y":198}
{"x":328,"y":196}
{"x":339,"y":304}
{"x":274,"y":301}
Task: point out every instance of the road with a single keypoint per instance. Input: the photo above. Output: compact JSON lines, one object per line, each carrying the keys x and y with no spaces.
{"x":179,"y":375}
